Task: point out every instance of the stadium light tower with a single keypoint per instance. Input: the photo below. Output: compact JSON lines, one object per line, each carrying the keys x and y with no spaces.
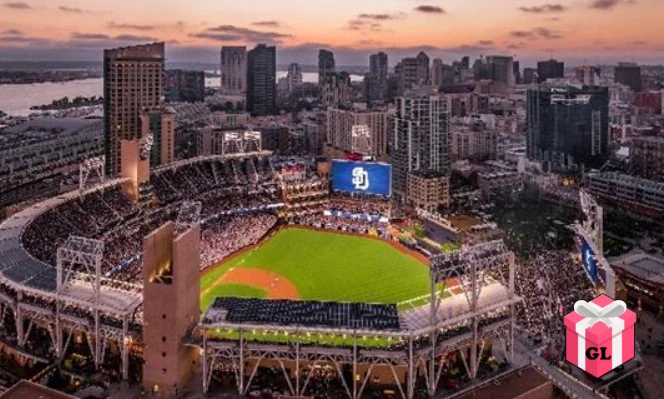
{"x":474,"y":267}
{"x":241,"y":142}
{"x":90,"y":166}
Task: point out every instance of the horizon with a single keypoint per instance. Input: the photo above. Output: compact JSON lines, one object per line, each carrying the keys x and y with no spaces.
{"x":575,"y":31}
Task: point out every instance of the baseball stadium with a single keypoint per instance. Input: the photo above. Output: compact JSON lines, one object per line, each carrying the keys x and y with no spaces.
{"x":256,"y":272}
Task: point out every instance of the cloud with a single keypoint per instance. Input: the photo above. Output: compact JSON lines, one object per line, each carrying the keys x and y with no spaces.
{"x":90,"y":36}
{"x":115,"y":25}
{"x":226,"y":33}
{"x":267,"y":24}
{"x":104,"y":37}
{"x":430,"y":9}
{"x":639,"y":43}
{"x":544,"y":9}
{"x":485,"y":42}
{"x":608,"y":4}
{"x":536,"y":33}
{"x":381,"y":17}
{"x":72,"y":10}
{"x":371,"y":22}
{"x":12,"y":32}
{"x":18,"y":5}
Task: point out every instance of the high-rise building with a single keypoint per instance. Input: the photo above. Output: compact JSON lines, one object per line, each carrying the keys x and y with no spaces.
{"x":419,"y":140}
{"x":336,"y":90}
{"x":233,"y":69}
{"x":568,"y":127}
{"x":261,"y":80}
{"x":550,"y":69}
{"x":646,"y":157}
{"x":588,"y":75}
{"x":181,"y":85}
{"x":378,"y":66}
{"x":629,"y":74}
{"x":133,"y":80}
{"x":373,"y":91}
{"x":517,"y":72}
{"x":340,"y":124}
{"x":294,"y":76}
{"x":326,"y":65}
{"x":160,"y":123}
{"x":414,"y":71}
{"x":502,"y":69}
{"x":529,"y":75}
{"x":465,"y":62}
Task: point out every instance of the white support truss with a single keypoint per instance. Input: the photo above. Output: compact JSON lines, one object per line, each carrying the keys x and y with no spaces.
{"x":91,"y":166}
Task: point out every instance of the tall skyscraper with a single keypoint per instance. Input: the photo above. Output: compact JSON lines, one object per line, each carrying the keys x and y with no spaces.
{"x":378,"y":66}
{"x":529,"y":75}
{"x":568,"y":127}
{"x":419,"y":140}
{"x":502,"y":69}
{"x":326,"y":65}
{"x":133,"y":80}
{"x":550,"y":69}
{"x":294,"y":76}
{"x":184,"y":85}
{"x":414,"y":71}
{"x":629,"y":74}
{"x":465,"y":62}
{"x":233,"y":69}
{"x":261,"y":80}
{"x":588,"y":75}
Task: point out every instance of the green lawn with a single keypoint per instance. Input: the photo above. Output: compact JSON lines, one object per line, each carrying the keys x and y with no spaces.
{"x":237,"y":290}
{"x":329,"y":266}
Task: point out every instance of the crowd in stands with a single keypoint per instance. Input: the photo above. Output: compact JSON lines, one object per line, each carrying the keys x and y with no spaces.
{"x":85,"y":216}
{"x":349,"y":225}
{"x":228,"y":234}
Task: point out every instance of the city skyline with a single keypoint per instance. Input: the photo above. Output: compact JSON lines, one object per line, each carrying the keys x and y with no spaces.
{"x":577,"y":31}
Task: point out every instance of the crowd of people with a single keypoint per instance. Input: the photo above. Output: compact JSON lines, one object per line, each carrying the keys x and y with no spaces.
{"x":550,"y":284}
{"x":228,"y":234}
{"x":85,"y":216}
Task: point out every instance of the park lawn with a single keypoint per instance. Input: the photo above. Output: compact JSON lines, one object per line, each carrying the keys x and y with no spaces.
{"x":333,"y":267}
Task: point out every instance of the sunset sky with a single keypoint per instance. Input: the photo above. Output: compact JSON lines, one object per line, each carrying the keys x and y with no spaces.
{"x":595,"y":31}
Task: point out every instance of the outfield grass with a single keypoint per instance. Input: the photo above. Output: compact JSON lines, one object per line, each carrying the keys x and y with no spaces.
{"x":329,"y":266}
{"x":237,"y":290}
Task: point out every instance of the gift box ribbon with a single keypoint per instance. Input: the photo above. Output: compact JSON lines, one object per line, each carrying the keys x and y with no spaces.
{"x":610,"y":316}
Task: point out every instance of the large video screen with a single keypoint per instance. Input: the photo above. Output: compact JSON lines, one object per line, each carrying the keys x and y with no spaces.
{"x":362,"y":177}
{"x":589,"y":260}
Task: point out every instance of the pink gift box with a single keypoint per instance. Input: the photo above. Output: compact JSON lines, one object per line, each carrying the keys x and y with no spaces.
{"x":617,"y":344}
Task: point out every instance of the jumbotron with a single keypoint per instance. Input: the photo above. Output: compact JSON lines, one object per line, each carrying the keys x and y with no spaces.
{"x":107,"y":278}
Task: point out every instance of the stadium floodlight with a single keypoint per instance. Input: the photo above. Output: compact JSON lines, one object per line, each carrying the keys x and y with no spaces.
{"x":362,"y":142}
{"x":146,"y":146}
{"x":241,"y":142}
{"x":90,"y":166}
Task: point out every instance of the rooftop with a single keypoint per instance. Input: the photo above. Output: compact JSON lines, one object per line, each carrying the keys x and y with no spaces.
{"x":641,"y":265}
{"x":517,"y":384}
{"x":25,"y":389}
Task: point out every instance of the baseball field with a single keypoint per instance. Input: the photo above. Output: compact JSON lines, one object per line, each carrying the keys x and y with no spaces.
{"x":300,"y":263}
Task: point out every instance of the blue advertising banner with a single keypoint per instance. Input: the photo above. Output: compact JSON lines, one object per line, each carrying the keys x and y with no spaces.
{"x":362,"y":177}
{"x":589,"y":261}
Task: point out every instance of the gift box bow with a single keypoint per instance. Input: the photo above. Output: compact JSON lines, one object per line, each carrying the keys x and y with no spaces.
{"x":593,"y":314}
